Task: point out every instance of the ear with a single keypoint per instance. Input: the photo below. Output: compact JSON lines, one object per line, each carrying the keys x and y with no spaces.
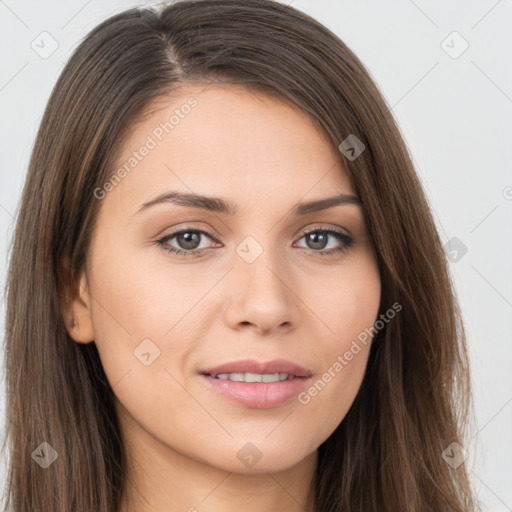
{"x":76,"y":304}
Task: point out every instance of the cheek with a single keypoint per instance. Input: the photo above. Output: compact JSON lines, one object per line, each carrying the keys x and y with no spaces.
{"x":349,"y":308}
{"x":143,"y":305}
{"x":348,"y":301}
{"x":139,"y":293}
{"x":328,"y":398}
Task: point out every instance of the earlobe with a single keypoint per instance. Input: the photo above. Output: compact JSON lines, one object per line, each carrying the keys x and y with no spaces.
{"x":76,"y":306}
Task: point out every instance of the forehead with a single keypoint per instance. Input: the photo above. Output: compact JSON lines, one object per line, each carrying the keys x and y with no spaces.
{"x":226,"y":141}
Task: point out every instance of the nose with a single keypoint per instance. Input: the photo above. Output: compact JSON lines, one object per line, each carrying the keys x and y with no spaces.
{"x":262,"y":296}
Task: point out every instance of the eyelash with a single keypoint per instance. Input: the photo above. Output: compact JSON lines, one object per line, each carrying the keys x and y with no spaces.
{"x":347,"y":242}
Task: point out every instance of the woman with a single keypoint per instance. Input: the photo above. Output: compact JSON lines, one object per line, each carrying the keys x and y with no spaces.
{"x":226,"y":286}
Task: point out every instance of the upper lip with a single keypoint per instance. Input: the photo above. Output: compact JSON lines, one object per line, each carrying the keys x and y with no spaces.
{"x":253,"y":366}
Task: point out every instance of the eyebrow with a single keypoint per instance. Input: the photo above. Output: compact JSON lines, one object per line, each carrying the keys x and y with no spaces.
{"x":220,"y":205}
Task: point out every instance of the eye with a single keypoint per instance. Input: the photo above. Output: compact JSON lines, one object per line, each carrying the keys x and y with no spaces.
{"x":317,"y":240}
{"x":188,"y":238}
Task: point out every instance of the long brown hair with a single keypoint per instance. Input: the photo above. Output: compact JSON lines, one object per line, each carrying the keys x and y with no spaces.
{"x":414,"y":401}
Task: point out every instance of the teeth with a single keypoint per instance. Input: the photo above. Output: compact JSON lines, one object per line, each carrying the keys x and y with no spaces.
{"x":238,"y":377}
{"x":254,"y":377}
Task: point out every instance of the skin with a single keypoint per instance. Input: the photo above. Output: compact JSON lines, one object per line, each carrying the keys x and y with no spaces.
{"x":182,"y":439}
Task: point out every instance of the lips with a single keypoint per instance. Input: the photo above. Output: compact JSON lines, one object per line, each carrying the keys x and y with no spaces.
{"x":264,"y":367}
{"x":257,"y":395}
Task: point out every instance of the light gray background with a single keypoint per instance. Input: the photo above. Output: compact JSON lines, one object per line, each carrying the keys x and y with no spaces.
{"x":455,"y":112}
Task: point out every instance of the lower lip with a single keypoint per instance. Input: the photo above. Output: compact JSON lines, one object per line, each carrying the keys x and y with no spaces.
{"x":259,"y":395}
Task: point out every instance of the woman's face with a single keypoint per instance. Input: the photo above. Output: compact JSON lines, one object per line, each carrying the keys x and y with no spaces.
{"x":256,"y":280}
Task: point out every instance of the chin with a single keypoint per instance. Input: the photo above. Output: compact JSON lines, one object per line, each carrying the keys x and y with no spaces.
{"x":259,"y":457}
